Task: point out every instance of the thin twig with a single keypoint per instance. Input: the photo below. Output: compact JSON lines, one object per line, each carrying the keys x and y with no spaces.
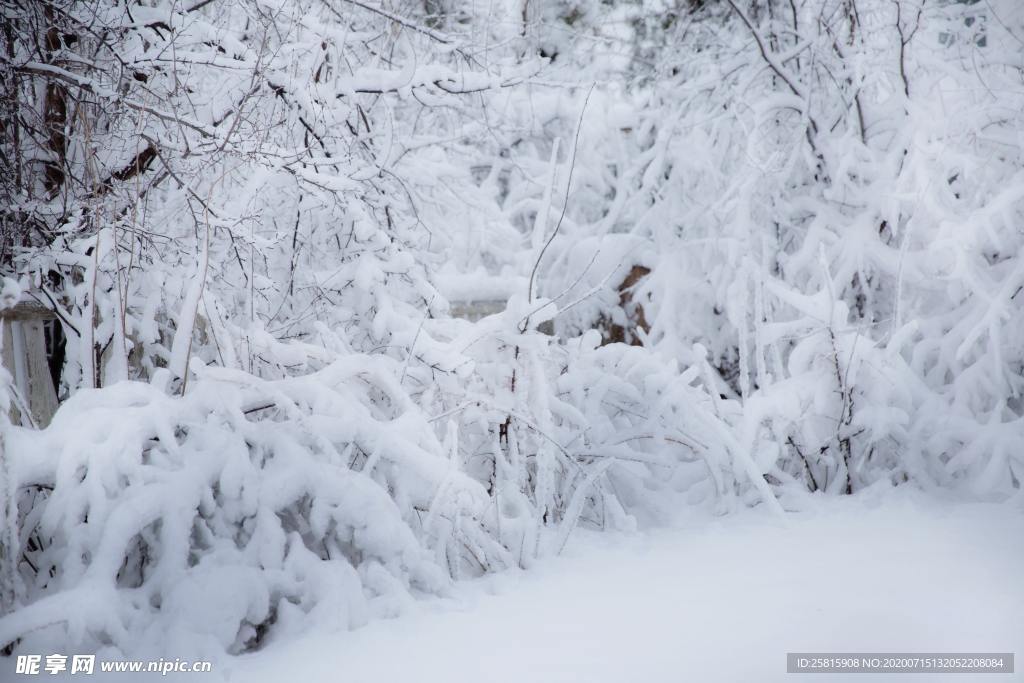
{"x":565,"y":203}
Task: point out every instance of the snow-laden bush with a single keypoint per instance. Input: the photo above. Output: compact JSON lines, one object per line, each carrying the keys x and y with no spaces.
{"x":881,"y":254}
{"x":247,"y":509}
{"x":244,"y":504}
{"x":289,"y":173}
{"x":828,"y":198}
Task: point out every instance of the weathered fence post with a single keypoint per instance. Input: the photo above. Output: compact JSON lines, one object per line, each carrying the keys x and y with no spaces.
{"x":25,"y":356}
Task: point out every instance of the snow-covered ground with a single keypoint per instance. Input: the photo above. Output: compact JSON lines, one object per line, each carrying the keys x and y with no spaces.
{"x":710,"y":600}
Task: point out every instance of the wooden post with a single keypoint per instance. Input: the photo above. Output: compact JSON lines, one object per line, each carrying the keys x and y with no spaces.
{"x":24,"y":356}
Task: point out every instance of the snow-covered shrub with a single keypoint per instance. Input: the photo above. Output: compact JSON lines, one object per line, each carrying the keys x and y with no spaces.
{"x":831,"y":200}
{"x":247,"y":509}
{"x":285,"y":175}
{"x":886,"y":224}
{"x":244,"y":508}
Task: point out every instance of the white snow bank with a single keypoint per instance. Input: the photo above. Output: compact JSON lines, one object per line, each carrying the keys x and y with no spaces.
{"x":715,"y":600}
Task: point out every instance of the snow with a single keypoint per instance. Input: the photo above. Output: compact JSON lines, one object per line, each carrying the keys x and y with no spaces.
{"x":711,"y":599}
{"x":300,"y":253}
